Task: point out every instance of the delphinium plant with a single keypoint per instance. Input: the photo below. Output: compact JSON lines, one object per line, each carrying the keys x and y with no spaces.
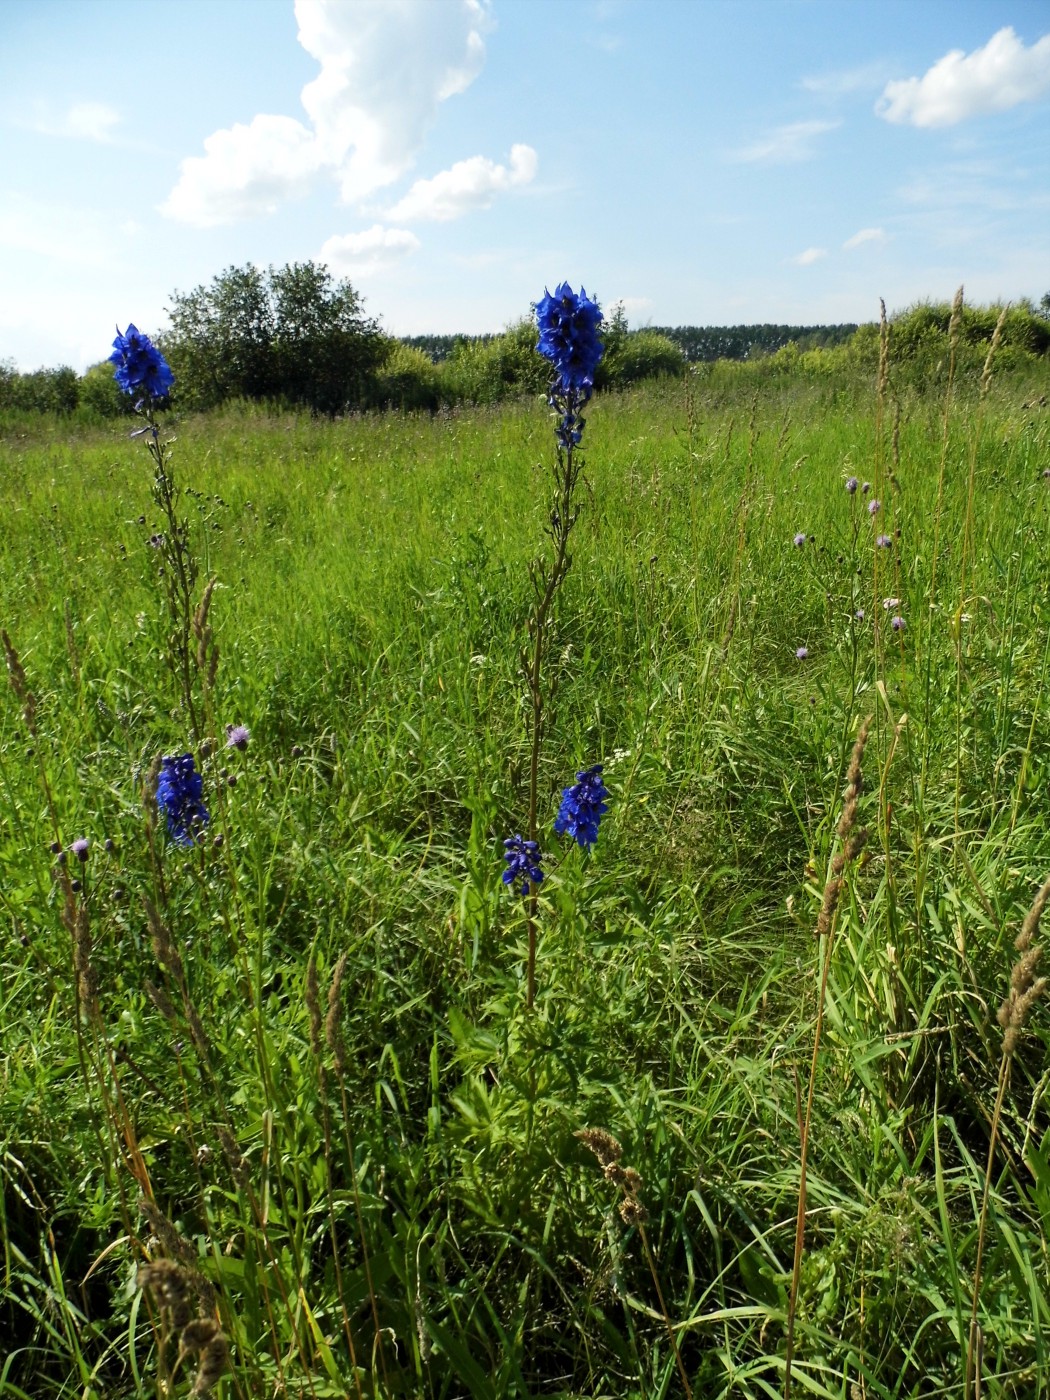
{"x":568,"y":324}
{"x":140,"y":369}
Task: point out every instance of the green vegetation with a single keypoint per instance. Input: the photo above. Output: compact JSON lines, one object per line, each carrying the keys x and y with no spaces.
{"x":297,"y":1061}
{"x":295,"y":337}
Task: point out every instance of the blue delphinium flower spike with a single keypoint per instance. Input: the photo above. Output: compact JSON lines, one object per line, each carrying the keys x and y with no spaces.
{"x":140,"y":367}
{"x":568,"y":326}
{"x":180,"y":797}
{"x":523,"y":862}
{"x":582,"y":807}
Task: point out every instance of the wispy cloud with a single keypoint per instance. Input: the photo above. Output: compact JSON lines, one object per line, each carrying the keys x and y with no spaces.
{"x":374,"y":250}
{"x":865,"y":235}
{"x":844,"y":81}
{"x":809,"y":257}
{"x":469,"y":184}
{"x":994,"y":78}
{"x":785,"y":145}
{"x":83,"y":121}
{"x":76,"y":237}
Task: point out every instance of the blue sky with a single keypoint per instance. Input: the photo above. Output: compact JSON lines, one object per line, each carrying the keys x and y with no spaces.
{"x":702,"y":161}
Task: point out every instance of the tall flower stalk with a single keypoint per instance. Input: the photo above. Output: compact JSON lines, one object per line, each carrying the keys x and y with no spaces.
{"x":568,"y":336}
{"x":140,"y":369}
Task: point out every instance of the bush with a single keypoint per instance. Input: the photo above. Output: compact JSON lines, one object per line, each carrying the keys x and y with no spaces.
{"x":408,"y":380}
{"x":41,"y":391}
{"x":486,"y":371}
{"x":100,"y":393}
{"x":634,"y":355}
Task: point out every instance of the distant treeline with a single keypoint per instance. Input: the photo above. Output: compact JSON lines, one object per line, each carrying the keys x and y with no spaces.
{"x":697,"y":343}
{"x":297,"y":337}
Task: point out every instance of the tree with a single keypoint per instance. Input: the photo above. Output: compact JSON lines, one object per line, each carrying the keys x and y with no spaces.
{"x":291,"y":333}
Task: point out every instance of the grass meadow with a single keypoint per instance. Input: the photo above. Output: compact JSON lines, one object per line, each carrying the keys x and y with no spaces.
{"x":297,"y":1061}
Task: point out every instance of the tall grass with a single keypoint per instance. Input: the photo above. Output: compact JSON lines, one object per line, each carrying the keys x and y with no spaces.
{"x":297,"y":1062}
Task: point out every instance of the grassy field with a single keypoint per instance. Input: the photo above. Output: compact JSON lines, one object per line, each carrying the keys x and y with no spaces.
{"x":298,"y":1061}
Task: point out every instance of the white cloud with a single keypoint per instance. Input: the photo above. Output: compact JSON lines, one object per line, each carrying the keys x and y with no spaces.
{"x":866,"y":235}
{"x":1001,"y":75}
{"x":374,"y":250}
{"x":469,"y":184}
{"x":386,"y":66}
{"x":786,"y":144}
{"x":809,"y":257}
{"x":245,"y":172}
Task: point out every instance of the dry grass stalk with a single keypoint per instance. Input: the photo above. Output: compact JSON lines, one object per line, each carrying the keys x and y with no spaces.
{"x":954,"y":322}
{"x":205,"y":1339}
{"x":179,"y":1249}
{"x":164,"y":949}
{"x":633,"y":1213}
{"x":19,"y":684}
{"x":332,"y":1029}
{"x":167,"y":954}
{"x":851,"y":837}
{"x":1025,"y":990}
{"x":883,"y":380}
{"x":851,"y":842}
{"x":169,"y":1283}
{"x":207,"y":646}
{"x":236,"y":1160}
{"x":87,"y":981}
{"x":997,"y":335}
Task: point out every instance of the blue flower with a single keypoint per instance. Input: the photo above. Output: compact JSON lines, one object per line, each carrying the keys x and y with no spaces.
{"x":582,"y":807}
{"x":523,"y":862}
{"x":179,"y":797}
{"x":568,"y":326}
{"x":140,"y":367}
{"x":800,"y":539}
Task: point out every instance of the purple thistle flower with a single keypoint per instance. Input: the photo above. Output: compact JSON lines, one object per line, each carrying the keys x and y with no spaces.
{"x":866,"y":487}
{"x":79,"y":847}
{"x":874,"y":507}
{"x":140,"y":367}
{"x":883,"y":541}
{"x":582,"y":807}
{"x":851,"y":485}
{"x":523,"y":863}
{"x":800,"y":538}
{"x":897,"y":622}
{"x":801,"y":653}
{"x":237,"y":736}
{"x":859,"y":615}
{"x":180,"y":797}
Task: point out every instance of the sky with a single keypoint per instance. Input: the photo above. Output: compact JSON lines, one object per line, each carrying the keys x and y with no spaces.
{"x":702,"y":162}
